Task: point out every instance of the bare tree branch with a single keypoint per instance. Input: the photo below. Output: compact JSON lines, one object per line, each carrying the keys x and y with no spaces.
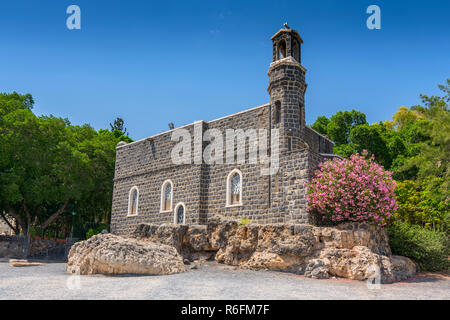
{"x":19,"y":220}
{"x":15,"y":229}
{"x":55,"y":215}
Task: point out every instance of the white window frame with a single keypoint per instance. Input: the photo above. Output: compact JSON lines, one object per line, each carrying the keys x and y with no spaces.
{"x":130,"y":200}
{"x":175,"y":213}
{"x":163,"y":187}
{"x":228,"y":200}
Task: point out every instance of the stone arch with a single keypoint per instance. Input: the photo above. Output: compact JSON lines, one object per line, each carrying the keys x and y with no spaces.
{"x":179,"y":214}
{"x":282,"y":49}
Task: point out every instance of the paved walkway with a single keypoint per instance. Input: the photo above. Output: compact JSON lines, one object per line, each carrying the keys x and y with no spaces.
{"x":210,"y":281}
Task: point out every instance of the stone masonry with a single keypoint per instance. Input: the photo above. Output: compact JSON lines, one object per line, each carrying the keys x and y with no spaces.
{"x":201,"y":188}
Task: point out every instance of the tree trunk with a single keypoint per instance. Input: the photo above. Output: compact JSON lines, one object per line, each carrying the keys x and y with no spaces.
{"x":25,"y":208}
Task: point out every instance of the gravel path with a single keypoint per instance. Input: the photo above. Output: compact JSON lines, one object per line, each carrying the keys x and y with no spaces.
{"x":210,"y":281}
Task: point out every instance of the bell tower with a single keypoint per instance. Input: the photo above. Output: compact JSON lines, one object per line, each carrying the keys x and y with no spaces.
{"x":287,"y":89}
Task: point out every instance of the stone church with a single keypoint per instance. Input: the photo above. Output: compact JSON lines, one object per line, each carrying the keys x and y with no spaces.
{"x":150,"y":188}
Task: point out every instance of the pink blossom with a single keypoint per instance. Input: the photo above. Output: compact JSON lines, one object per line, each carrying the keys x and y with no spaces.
{"x":357,"y":189}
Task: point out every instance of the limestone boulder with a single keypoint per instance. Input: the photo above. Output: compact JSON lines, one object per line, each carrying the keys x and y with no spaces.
{"x":220,"y":230}
{"x":281,"y":247}
{"x":111,"y":254}
{"x":191,"y":242}
{"x":317,"y":269}
{"x":349,"y":235}
{"x":360,"y":263}
{"x":275,"y":262}
{"x":287,"y":239}
{"x":398,"y":268}
{"x":168,"y":234}
{"x":240,"y":245}
{"x":196,"y":238}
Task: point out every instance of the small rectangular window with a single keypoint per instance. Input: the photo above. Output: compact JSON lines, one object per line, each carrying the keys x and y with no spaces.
{"x":289,"y":144}
{"x":277,"y":112}
{"x":300,"y":115}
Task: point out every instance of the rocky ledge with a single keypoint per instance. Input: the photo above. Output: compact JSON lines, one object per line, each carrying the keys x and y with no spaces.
{"x":352,"y":250}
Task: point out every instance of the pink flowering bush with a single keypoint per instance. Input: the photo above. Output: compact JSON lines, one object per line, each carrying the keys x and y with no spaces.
{"x":357,"y":189}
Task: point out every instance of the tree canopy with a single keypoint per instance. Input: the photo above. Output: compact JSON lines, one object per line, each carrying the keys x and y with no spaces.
{"x":50,"y":168}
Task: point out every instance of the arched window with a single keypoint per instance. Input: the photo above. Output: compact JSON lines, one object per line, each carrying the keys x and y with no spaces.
{"x":133,"y":201}
{"x":281,"y":49}
{"x":234,"y":188}
{"x":179,"y":214}
{"x":166,"y":196}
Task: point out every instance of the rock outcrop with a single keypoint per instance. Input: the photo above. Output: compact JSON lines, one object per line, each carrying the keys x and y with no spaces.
{"x":352,"y":250}
{"x":360,"y":263}
{"x":111,"y":254}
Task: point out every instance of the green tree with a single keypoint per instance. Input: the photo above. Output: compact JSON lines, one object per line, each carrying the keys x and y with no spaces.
{"x":404,"y":116}
{"x":430,"y":155}
{"x":44,"y":169}
{"x":368,"y":137}
{"x":119,"y":130}
{"x":418,"y":204}
{"x":321,"y":124}
{"x":341,"y":123}
{"x":49,"y":168}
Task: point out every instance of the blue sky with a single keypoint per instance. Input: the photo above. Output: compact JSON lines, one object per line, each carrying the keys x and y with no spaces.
{"x":155,"y":62}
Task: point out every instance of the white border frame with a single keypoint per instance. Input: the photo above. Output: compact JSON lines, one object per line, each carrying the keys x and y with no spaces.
{"x":228,"y":193}
{"x":130,"y":200}
{"x":162,"y":197}
{"x":175,"y":213}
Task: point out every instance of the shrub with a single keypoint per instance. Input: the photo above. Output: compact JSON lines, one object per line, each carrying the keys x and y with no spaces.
{"x":430,"y":249}
{"x":93,"y":231}
{"x":244,"y":221}
{"x":419,"y":203}
{"x":355,"y":189}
